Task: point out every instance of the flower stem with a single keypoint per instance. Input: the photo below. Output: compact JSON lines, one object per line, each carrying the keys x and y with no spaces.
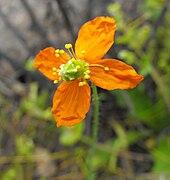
{"x":96,"y":114}
{"x":91,"y":173}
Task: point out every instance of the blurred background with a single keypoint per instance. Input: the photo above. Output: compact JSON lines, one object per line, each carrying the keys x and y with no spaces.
{"x":134,"y":132}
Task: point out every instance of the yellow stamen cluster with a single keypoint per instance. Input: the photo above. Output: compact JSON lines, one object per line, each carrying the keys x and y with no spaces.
{"x":55,"y":71}
{"x":74,"y":68}
{"x":82,"y":83}
{"x":59,"y":52}
{"x":87,"y":76}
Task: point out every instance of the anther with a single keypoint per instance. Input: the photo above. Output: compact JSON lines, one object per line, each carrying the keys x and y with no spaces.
{"x":82,"y":83}
{"x":57,"y":55}
{"x":87,"y":76}
{"x":87,"y":71}
{"x":54,"y":73}
{"x":54,"y":69}
{"x":55,"y":81}
{"x":58,"y":70}
{"x":106,"y":69}
{"x":68,"y":46}
{"x":61,"y":51}
{"x":57,"y":51}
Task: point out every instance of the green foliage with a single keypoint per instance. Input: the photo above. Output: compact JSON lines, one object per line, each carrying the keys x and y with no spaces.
{"x":70,"y":135}
{"x":10,"y":174}
{"x":152,"y":8}
{"x":35,"y":104}
{"x":161,"y":155}
{"x":24,"y":145}
{"x":154,"y":63}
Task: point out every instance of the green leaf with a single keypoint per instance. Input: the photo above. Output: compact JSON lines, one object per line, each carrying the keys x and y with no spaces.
{"x":161,"y":156}
{"x":140,"y":36}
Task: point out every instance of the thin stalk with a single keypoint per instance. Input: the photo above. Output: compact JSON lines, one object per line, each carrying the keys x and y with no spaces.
{"x":91,"y":172}
{"x":96,"y":114}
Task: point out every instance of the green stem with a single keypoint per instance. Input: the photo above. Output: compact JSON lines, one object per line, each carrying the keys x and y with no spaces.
{"x":96,"y":113}
{"x":91,"y":173}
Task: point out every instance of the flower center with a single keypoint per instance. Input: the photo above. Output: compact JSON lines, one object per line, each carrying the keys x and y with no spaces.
{"x":74,"y":69}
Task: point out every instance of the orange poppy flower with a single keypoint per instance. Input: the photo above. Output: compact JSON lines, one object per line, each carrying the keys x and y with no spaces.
{"x":71,"y":101}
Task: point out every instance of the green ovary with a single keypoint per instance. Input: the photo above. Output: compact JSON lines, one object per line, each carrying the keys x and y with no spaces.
{"x":74,"y":69}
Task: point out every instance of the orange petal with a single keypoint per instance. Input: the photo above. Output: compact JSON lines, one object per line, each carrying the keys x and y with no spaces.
{"x":45,"y":60}
{"x":71,"y":102}
{"x":95,"y":38}
{"x":119,"y":75}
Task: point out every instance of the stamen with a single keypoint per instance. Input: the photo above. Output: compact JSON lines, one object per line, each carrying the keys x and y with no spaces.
{"x":74,"y":55}
{"x":87,"y":71}
{"x":54,"y":73}
{"x":57,"y":51}
{"x":62,"y":51}
{"x":106,"y":69}
{"x":98,"y":65}
{"x":58,"y":70}
{"x":87,"y":76}
{"x":55,"y":81}
{"x":54,"y":69}
{"x":82,"y":83}
{"x":70,"y":50}
{"x":68,"y":46}
{"x":71,"y":54}
{"x":57,"y":55}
